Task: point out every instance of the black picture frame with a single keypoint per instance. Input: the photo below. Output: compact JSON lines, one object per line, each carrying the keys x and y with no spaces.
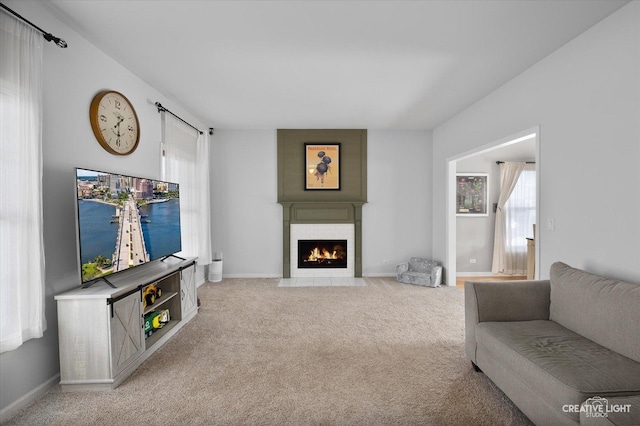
{"x":322,"y":166}
{"x":472,"y":194}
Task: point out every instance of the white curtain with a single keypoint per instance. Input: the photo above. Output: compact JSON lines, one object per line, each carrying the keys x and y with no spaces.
{"x":520,"y":212}
{"x":22,"y":289}
{"x":515,"y":218}
{"x":186,"y":162}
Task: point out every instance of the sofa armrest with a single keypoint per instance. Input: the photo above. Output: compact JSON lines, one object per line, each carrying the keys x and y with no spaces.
{"x":503,"y":301}
{"x":401,"y":268}
{"x":508,"y":300}
{"x":436,"y":276}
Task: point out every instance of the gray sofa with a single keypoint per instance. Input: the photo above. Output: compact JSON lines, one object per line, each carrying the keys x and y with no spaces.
{"x":555,"y":346}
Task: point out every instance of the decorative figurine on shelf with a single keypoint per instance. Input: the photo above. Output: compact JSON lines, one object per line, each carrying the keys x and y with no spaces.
{"x":150,"y":294}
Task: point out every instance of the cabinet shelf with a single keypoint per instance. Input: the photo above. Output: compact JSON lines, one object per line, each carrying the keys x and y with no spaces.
{"x":161,"y":301}
{"x":157,"y":334}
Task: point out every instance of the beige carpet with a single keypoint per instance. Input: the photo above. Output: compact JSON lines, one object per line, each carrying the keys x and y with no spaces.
{"x":258,"y":354}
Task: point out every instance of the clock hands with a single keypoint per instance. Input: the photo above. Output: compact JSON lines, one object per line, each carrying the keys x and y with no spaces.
{"x":117,"y":126}
{"x":120,"y":120}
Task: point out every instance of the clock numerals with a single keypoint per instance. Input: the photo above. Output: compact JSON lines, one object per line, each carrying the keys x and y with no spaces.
{"x":103,"y":118}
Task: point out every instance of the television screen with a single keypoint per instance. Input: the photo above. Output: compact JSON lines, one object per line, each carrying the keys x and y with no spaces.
{"x":124,"y":221}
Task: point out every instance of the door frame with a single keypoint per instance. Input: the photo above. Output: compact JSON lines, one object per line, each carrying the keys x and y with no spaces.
{"x":450,"y":255}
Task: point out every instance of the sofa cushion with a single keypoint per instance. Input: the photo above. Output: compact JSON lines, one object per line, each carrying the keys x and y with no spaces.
{"x":417,"y":264}
{"x":601,"y":309}
{"x":562,"y":367}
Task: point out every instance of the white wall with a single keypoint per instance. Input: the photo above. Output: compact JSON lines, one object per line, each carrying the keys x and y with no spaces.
{"x":586,"y":98}
{"x":246,"y":219}
{"x":474,"y":235}
{"x":72,"y":77}
{"x":396,"y":222}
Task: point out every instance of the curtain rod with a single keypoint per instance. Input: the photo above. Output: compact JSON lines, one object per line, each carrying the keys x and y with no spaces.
{"x":47,"y":36}
{"x":161,"y":108}
{"x":527,"y":162}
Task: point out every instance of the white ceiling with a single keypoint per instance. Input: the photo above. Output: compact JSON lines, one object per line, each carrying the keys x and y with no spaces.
{"x":328,"y":64}
{"x":520,"y":151}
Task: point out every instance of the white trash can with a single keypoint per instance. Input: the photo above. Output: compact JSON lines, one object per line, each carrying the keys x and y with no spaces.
{"x":215,"y":268}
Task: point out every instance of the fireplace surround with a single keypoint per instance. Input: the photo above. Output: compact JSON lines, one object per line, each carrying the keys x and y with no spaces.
{"x":330,"y":209}
{"x":322,"y":221}
{"x":334,"y":237}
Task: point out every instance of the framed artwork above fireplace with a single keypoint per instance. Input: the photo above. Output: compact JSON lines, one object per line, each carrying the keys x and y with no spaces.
{"x":322,"y":166}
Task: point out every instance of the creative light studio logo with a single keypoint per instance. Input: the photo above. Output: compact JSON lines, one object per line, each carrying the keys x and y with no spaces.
{"x":597,"y":406}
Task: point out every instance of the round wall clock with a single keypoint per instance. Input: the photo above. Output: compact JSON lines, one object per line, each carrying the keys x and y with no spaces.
{"x":114,"y":122}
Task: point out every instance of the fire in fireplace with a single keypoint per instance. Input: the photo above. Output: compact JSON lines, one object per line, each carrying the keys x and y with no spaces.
{"x":322,"y":253}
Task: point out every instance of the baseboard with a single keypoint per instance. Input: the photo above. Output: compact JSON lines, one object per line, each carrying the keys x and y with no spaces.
{"x":10,"y":410}
{"x":257,"y":276}
{"x":251,"y":276}
{"x":475,"y":274}
{"x":380,"y":275}
{"x":371,"y":275}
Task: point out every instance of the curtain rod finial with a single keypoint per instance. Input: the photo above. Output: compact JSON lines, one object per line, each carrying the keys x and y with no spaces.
{"x":57,"y":40}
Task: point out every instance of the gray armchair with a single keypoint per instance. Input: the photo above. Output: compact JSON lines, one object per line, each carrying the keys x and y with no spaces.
{"x":420,"y":272}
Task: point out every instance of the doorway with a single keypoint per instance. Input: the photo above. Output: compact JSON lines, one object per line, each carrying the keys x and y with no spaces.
{"x":505,"y":149}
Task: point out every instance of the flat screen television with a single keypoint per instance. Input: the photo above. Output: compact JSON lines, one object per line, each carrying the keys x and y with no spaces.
{"x":123,"y":222}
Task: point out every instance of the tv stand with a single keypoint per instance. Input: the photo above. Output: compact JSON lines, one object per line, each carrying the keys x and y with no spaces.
{"x":101,"y":328}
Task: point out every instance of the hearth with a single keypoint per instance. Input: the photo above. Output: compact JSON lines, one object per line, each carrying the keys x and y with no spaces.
{"x":322,"y":254}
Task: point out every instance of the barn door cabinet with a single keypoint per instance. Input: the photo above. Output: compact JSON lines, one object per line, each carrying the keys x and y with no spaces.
{"x":101,"y":329}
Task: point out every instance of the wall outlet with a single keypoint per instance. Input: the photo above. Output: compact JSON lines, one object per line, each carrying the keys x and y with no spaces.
{"x":551,"y":225}
{"x":472,"y":261}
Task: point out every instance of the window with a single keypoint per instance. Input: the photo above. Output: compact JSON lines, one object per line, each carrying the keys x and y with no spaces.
{"x":186,"y":161}
{"x":21,"y":246}
{"x":520,"y":211}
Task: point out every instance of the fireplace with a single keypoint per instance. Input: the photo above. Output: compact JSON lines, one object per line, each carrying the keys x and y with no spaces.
{"x":320,"y":241}
{"x":322,"y":254}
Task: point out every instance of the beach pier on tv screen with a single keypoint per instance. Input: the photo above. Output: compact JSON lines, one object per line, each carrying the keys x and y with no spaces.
{"x":124,"y":221}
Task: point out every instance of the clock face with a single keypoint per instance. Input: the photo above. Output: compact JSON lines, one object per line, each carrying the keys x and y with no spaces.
{"x":114,"y":123}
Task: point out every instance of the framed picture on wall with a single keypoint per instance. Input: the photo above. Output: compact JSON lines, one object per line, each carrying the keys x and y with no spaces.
{"x":322,"y":166}
{"x":472,"y":194}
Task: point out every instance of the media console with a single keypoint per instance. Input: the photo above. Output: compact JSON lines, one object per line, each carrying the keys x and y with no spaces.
{"x":101,"y":329}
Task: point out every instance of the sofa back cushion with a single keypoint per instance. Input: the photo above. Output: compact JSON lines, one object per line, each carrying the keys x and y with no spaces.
{"x":603,"y":310}
{"x":417,"y":264}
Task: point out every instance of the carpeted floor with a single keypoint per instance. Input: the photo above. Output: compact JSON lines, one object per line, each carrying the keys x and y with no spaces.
{"x":258,"y":354}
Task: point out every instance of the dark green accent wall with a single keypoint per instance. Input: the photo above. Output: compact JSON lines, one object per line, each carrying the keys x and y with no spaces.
{"x":292,"y":170}
{"x":321,"y":206}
